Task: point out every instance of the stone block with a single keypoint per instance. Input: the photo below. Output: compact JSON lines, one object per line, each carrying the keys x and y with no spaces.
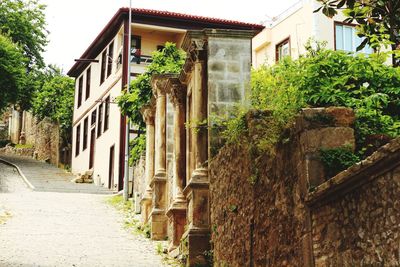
{"x":330,"y":137}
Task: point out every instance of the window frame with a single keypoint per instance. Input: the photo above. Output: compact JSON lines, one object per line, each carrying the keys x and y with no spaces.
{"x":93,"y":117}
{"x":103,"y":66}
{"x":354,"y":34}
{"x":80,"y":89}
{"x":107,"y":114}
{"x":100,"y":120}
{"x":88,"y":80}
{"x":281,"y":44}
{"x":85,"y":133}
{"x":110,"y":57}
{"x":77,"y":139}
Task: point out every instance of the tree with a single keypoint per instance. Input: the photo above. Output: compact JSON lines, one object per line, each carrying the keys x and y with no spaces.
{"x":378,"y":21}
{"x":24,"y":22}
{"x":55,"y":100}
{"x":12,"y":72}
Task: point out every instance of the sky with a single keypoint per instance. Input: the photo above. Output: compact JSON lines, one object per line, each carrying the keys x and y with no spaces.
{"x":74,"y":24}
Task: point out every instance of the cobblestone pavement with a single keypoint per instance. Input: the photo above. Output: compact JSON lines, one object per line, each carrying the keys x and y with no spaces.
{"x":64,"y":229}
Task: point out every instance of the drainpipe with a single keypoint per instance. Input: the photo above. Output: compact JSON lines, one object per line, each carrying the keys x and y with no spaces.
{"x":127,"y":128}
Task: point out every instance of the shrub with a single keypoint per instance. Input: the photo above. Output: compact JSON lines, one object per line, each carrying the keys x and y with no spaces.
{"x":336,"y":160}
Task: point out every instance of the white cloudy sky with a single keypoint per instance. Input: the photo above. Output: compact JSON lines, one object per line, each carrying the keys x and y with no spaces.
{"x":73,"y":24}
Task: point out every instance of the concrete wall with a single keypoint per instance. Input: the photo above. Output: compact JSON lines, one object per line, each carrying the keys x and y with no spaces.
{"x":272,"y":211}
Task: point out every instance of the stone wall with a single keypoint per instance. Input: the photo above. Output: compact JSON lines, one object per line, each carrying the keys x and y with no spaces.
{"x":281,"y":210}
{"x":257,"y":217}
{"x":43,"y":135}
{"x":356,"y":216}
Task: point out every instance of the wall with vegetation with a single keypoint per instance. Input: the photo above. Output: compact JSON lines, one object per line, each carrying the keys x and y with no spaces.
{"x":281,"y":207}
{"x":355,"y":217}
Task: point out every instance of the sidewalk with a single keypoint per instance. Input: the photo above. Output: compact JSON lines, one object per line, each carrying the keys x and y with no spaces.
{"x":45,"y":177}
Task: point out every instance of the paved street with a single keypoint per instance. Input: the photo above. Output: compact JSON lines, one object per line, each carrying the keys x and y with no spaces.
{"x":64,"y":229}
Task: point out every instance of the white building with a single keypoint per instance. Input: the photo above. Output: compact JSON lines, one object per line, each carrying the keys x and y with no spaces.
{"x":101,"y":75}
{"x":287,"y":33}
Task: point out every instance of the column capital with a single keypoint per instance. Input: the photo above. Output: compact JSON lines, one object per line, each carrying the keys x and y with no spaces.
{"x":159,"y":84}
{"x":177,"y":92}
{"x":148,"y":112}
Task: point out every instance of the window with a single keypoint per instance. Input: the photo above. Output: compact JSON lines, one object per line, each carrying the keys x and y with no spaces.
{"x":80,"y":84}
{"x":107,"y":113}
{"x":100,"y":118}
{"x":136,"y":49}
{"x":103,"y":66}
{"x":77,"y":140}
{"x":110,"y":58}
{"x":346,"y":39}
{"x":88,"y":73}
{"x":93,"y":119}
{"x":85,"y":133}
{"x":282,"y":49}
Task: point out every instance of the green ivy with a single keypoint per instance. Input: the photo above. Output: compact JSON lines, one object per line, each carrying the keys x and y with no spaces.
{"x":336,"y":160}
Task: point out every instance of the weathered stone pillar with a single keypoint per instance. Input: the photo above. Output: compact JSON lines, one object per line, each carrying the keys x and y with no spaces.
{"x":148,"y":116}
{"x":177,"y":211}
{"x":197,"y":189}
{"x":158,"y":216}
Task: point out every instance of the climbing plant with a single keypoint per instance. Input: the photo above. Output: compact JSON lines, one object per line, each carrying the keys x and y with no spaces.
{"x":169,"y":60}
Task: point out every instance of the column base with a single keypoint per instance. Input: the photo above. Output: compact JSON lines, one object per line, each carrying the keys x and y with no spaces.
{"x":158,"y":221}
{"x":197,"y":243}
{"x":176,"y":224}
{"x":146,"y":204}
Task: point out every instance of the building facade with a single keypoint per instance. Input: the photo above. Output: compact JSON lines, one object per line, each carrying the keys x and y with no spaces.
{"x":101,"y":74}
{"x":287,"y":34}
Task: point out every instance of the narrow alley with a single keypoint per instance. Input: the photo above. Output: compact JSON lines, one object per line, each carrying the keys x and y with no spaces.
{"x":39,"y":228}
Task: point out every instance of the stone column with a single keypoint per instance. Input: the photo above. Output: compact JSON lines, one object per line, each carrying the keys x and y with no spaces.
{"x":197,"y":189}
{"x":177,"y":211}
{"x":148,"y":116}
{"x":158,"y":216}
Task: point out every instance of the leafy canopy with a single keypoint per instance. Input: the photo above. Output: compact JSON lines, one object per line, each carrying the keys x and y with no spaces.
{"x":24,"y":22}
{"x":55,"y":99}
{"x":12,"y":72}
{"x":378,"y":21}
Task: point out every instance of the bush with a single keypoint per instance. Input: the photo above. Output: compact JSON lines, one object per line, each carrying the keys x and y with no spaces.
{"x":323,"y":78}
{"x":337,"y":159}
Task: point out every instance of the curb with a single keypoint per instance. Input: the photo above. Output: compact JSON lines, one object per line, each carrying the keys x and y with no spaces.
{"x":20,"y":173}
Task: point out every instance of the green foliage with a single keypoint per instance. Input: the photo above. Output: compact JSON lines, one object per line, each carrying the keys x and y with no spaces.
{"x":55,"y":99}
{"x":378,"y":20}
{"x":138,"y":146}
{"x":322,"y":78}
{"x":24,"y":22}
{"x":337,"y":159}
{"x":169,"y":60}
{"x":12,"y":72}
